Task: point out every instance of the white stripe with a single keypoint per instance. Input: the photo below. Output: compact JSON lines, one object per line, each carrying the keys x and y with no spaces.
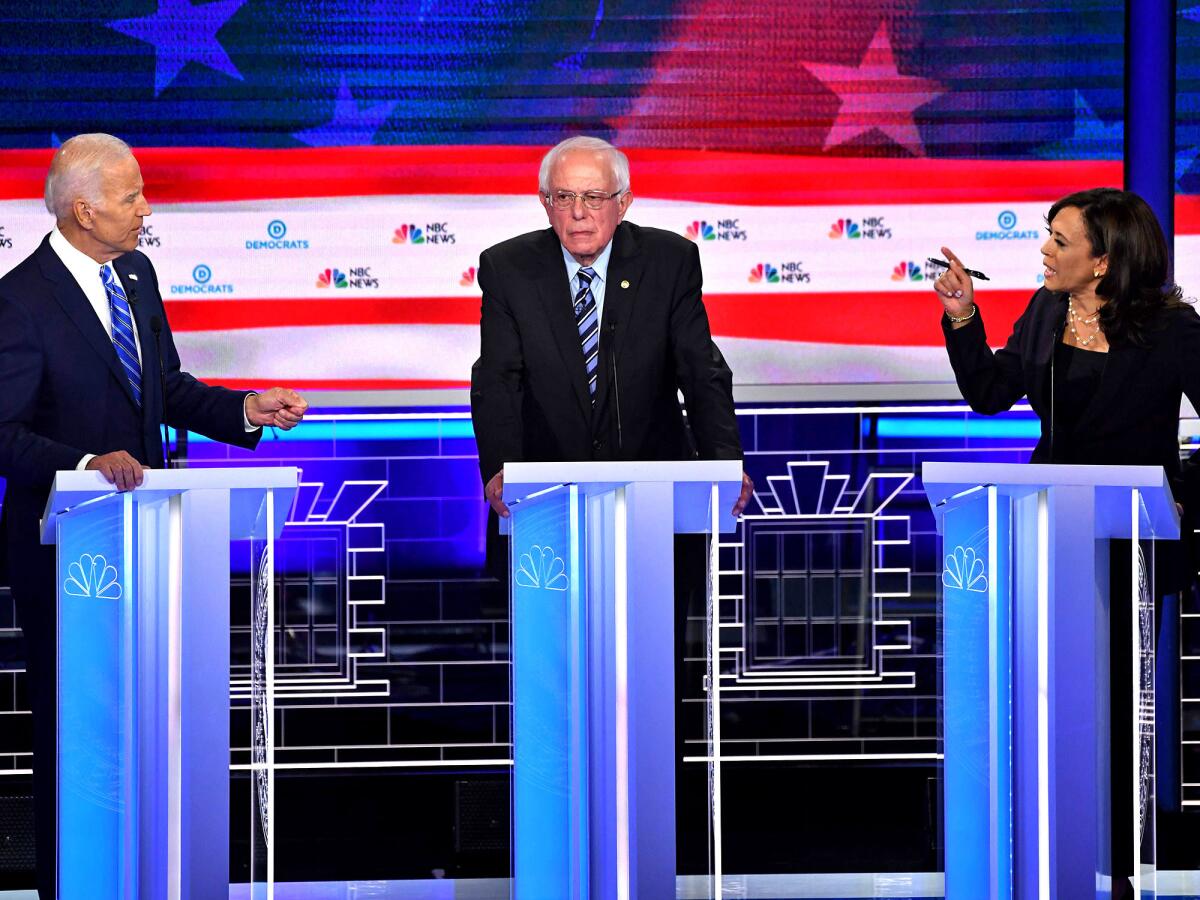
{"x":448,"y":351}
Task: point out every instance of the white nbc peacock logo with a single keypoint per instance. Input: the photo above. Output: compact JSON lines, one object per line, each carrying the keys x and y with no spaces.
{"x":965,"y":571}
{"x":92,"y":576}
{"x":540,"y":568}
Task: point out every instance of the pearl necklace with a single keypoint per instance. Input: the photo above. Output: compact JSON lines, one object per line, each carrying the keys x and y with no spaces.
{"x":1082,"y":320}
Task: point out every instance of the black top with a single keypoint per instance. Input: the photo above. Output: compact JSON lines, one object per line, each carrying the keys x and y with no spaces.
{"x":1133,"y":415}
{"x":1077,"y":374}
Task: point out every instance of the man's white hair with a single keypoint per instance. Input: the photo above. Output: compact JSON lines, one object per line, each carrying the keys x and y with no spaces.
{"x":75,"y":170}
{"x":618,"y":160}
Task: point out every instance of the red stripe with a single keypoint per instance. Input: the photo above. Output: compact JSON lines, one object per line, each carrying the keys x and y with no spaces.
{"x":855,"y":319}
{"x":852,"y":318}
{"x":190,"y":174}
{"x":341,"y":384}
{"x":1187,"y":214}
{"x":233,"y":315}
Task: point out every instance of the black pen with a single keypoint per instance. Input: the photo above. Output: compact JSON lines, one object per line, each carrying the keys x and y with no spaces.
{"x":971,"y":272}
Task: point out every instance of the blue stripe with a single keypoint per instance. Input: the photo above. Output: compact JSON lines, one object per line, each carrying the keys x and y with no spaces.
{"x":589,"y":321}
{"x":130,"y":359}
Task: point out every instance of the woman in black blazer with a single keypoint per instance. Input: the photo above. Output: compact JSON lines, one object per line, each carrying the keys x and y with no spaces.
{"x":1103,"y":352}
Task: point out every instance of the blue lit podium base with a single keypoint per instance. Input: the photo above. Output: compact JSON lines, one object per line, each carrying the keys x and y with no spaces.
{"x":827,"y":886}
{"x":592,"y":585}
{"x":1026,"y":718}
{"x":143,"y":678}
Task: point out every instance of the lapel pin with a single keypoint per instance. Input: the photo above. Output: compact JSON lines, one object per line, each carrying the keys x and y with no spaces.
{"x":625,"y":284}
{"x":131,"y":277}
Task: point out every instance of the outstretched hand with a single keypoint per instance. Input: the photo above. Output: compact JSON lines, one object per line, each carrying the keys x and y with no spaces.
{"x":277,"y":408}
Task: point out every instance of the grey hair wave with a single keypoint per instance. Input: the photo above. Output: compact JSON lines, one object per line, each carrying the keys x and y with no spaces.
{"x":75,"y":169}
{"x":618,"y":160}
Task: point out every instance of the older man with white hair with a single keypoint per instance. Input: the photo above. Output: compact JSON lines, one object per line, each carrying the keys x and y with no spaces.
{"x":589,"y":331}
{"x":88,"y":374}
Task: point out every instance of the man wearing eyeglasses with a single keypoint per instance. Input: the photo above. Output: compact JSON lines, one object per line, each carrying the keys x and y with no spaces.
{"x":590,"y":328}
{"x":589,"y":331}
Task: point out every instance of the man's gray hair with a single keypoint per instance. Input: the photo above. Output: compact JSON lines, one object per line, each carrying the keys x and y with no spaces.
{"x":618,"y":160}
{"x":75,"y":170}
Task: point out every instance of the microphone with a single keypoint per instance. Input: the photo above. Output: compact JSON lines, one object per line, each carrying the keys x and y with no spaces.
{"x":1057,"y":339}
{"x":156,"y":325}
{"x":612,"y":356}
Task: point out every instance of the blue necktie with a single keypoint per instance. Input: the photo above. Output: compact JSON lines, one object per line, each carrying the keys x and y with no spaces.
{"x":588,"y":321}
{"x":122,"y":332}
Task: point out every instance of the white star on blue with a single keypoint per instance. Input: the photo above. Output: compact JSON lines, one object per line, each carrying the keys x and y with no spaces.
{"x":1092,"y":138}
{"x":352,"y":124}
{"x":182,"y":33}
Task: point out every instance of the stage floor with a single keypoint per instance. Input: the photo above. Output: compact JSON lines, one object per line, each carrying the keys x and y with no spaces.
{"x":857,"y":886}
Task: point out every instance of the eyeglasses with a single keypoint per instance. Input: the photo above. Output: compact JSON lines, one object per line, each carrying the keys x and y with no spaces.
{"x":591,"y":199}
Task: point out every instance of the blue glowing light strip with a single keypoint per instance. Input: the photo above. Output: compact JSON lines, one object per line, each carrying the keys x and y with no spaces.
{"x":889,"y":427}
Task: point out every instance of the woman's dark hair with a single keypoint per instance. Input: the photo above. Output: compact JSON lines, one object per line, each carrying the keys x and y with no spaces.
{"x":1122,"y":224}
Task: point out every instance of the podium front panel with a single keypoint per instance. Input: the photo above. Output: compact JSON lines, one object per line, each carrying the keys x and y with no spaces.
{"x":97,"y":752}
{"x":977,"y":696}
{"x":550,"y":772}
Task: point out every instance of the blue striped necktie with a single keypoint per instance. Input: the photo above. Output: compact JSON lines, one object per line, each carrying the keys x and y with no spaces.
{"x":587,"y":319}
{"x":122,"y":332}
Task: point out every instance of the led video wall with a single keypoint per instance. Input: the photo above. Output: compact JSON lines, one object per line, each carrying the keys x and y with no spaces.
{"x":324,"y":176}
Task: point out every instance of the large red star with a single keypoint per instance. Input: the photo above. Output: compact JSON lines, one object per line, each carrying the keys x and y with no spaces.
{"x":874,"y":95}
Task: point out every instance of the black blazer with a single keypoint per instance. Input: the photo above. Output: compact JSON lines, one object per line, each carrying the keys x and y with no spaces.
{"x":529,"y":397}
{"x":1133,"y":419}
{"x":63,"y":394}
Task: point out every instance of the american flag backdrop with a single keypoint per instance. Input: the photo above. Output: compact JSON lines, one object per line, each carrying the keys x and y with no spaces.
{"x":324,"y":175}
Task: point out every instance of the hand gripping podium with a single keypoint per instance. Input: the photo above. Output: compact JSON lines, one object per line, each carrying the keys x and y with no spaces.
{"x":592,"y":584}
{"x":143,"y":678}
{"x":1026,"y":604}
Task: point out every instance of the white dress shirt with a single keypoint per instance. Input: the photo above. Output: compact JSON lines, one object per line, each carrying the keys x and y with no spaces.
{"x":86,"y":271}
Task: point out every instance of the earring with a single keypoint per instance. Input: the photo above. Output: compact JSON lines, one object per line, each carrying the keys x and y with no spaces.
{"x":1096,"y":273}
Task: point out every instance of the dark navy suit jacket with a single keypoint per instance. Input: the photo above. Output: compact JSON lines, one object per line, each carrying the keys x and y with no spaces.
{"x":63,"y":394}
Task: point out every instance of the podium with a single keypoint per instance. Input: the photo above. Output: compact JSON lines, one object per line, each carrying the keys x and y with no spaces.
{"x":143,"y":678}
{"x":1026,"y":606}
{"x":592,"y":587}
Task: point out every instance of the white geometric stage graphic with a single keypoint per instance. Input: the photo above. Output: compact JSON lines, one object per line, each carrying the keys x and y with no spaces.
{"x":803,"y":602}
{"x":362,"y":585}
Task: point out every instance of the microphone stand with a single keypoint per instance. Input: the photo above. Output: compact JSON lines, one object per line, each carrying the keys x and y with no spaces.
{"x":156,"y":325}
